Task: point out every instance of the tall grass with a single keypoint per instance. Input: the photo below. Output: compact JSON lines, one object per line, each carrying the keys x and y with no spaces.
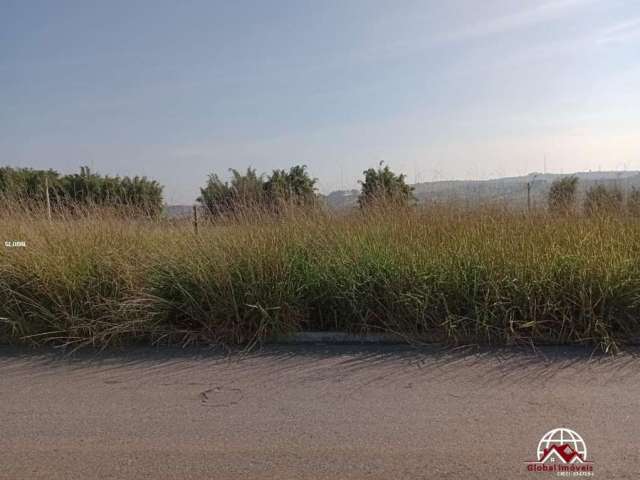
{"x":437,"y":274}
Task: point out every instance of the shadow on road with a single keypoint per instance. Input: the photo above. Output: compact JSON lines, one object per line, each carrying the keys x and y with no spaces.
{"x":398,"y":365}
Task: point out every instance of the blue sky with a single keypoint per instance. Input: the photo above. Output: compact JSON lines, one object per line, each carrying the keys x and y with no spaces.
{"x":459,"y":89}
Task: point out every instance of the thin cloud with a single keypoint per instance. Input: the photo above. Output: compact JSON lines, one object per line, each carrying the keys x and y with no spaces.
{"x":621,"y":32}
{"x":526,"y":18}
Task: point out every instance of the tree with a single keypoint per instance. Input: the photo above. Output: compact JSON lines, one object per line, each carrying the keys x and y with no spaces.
{"x":250,"y":190}
{"x":562,"y":195}
{"x":600,"y":200}
{"x":383,"y":187}
{"x":293,"y":187}
{"x":241,"y":192}
{"x":26,"y":183}
{"x":85,"y":188}
{"x":247,"y":189}
{"x":216,"y":196}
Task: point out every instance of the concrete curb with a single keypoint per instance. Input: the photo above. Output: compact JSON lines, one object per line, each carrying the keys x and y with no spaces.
{"x":335,"y":338}
{"x":341,"y":338}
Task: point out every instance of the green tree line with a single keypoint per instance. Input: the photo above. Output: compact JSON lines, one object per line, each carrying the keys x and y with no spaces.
{"x":272,"y":192}
{"x":295,"y":187}
{"x":598,"y":199}
{"x":250,"y":190}
{"x":84,"y":188}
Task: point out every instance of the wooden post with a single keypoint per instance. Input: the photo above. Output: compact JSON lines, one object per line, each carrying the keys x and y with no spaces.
{"x":529,"y":197}
{"x":46,"y":192}
{"x":195,"y":219}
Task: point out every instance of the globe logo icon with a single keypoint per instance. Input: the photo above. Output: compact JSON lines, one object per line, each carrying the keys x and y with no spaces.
{"x":561,"y":437}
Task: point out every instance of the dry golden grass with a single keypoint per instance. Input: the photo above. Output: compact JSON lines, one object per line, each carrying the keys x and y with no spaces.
{"x":439,"y":274}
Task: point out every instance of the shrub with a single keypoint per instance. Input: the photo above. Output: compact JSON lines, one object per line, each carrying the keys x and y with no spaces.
{"x":601,"y":200}
{"x":292,"y":187}
{"x":242,"y":192}
{"x":251,"y":192}
{"x":383,"y":187}
{"x":562,"y":195}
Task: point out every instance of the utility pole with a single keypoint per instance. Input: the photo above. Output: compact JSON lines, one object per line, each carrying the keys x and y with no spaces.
{"x":529,"y":186}
{"x":195,"y":219}
{"x":46,"y":193}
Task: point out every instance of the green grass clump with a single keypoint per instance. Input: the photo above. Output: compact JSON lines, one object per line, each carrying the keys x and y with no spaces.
{"x":423,"y":274}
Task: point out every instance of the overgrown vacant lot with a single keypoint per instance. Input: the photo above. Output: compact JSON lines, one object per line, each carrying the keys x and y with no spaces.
{"x":427,"y":275}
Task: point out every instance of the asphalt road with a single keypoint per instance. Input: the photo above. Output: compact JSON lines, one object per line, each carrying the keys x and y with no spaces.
{"x":314,"y":412}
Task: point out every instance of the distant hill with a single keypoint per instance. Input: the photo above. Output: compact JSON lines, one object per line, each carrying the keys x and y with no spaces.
{"x":342,"y":199}
{"x":178,"y":211}
{"x":510,"y":191}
